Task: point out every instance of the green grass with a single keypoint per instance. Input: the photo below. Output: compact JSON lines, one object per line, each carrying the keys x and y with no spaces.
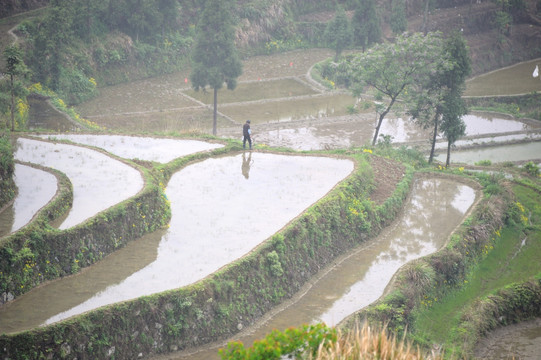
{"x":511,"y":257}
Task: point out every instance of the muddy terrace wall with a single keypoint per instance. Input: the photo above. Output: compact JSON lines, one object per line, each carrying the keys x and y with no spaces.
{"x":450,"y":265}
{"x":229,"y":300}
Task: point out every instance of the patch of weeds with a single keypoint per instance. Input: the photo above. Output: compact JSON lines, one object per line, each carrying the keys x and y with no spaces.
{"x":351,"y":110}
{"x":274,"y":263}
{"x":483,"y":163}
{"x":531,"y":168}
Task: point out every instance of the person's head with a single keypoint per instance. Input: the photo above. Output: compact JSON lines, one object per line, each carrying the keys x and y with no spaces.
{"x":248,"y":121}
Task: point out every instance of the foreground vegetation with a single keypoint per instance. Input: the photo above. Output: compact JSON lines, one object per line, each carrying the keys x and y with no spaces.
{"x":319,"y":342}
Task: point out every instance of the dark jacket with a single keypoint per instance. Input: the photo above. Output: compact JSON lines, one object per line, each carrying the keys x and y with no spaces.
{"x":245,"y":129}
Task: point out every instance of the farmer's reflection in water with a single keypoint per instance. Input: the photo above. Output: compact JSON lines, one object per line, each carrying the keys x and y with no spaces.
{"x":246,"y":162}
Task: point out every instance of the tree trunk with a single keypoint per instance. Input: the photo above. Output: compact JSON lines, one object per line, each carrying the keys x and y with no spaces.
{"x":381,"y":117}
{"x":425,"y":18}
{"x":214,"y":118}
{"x":12,"y":105}
{"x":448,"y":154}
{"x":434,"y":136}
{"x":375,"y":139}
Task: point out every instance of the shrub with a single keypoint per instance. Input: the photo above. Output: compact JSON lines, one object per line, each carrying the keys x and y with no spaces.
{"x":292,"y":341}
{"x":483,"y":163}
{"x":531,"y":168}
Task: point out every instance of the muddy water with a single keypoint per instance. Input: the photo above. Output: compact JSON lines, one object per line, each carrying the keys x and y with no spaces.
{"x":292,"y":109}
{"x":41,"y":115}
{"x":496,"y":154}
{"x":258,"y":90}
{"x":357,"y":130}
{"x":257,"y":195}
{"x":35,"y":307}
{"x":136,"y":147}
{"x":516,"y":79}
{"x":520,"y":341}
{"x":491,"y":140}
{"x":434,"y":209}
{"x":35,"y":189}
{"x":98,"y":180}
{"x":483,"y":123}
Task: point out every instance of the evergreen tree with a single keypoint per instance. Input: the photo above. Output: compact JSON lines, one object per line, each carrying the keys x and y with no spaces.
{"x":399,"y":20}
{"x":338,"y":32}
{"x":454,"y":107}
{"x":452,"y":124}
{"x":15,"y":68}
{"x":215,"y":58}
{"x":366,"y":24}
{"x":439,"y":104}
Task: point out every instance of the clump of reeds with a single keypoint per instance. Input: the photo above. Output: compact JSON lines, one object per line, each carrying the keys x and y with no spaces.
{"x":367,"y":343}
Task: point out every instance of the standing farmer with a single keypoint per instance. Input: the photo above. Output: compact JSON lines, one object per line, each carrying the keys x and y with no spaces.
{"x":247,"y":135}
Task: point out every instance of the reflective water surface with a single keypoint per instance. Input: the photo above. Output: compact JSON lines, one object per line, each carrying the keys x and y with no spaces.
{"x":98,"y":180}
{"x":138,"y":147}
{"x":496,"y":154}
{"x":35,"y":189}
{"x":221,"y":209}
{"x":512,"y":80}
{"x":435,"y":208}
{"x":41,"y":115}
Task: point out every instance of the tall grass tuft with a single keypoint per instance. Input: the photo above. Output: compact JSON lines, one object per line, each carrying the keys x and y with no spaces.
{"x":367,"y":343}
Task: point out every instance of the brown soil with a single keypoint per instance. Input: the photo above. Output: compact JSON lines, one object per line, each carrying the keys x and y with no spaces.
{"x":388,"y":174}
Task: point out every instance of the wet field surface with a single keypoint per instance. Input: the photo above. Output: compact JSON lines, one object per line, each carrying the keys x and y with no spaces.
{"x":138,"y":147}
{"x":512,"y":80}
{"x":520,"y":341}
{"x":35,"y":189}
{"x":98,"y":180}
{"x":210,"y":227}
{"x":495,"y":154}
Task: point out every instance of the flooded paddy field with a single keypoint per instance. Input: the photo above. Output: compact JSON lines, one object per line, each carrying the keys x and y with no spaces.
{"x":496,"y":154}
{"x":221,"y":209}
{"x":137,"y":147}
{"x":290,"y":110}
{"x":41,"y":115}
{"x":512,"y":80}
{"x":256,"y":90}
{"x":360,"y":277}
{"x":99,"y":181}
{"x":35,"y":189}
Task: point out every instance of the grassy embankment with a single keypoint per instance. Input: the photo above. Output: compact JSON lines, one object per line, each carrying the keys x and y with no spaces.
{"x":512,"y":257}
